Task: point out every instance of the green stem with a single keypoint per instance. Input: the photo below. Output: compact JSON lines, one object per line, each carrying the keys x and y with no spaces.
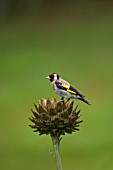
{"x":56,"y":142}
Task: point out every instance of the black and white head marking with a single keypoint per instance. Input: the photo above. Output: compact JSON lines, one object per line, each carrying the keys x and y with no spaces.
{"x":56,"y":76}
{"x":53,"y":77}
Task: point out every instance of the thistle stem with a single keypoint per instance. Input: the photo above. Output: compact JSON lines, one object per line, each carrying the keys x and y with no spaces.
{"x":56,"y":142}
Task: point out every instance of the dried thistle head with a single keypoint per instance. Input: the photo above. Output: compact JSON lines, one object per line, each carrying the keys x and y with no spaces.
{"x":52,"y":117}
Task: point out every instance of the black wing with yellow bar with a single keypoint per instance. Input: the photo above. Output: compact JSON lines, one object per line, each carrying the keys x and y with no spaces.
{"x":68,"y":88}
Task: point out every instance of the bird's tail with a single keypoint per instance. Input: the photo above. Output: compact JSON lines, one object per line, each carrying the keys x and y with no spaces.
{"x":85,"y":101}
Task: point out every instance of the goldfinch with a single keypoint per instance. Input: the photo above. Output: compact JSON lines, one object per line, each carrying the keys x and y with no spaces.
{"x":64,"y":89}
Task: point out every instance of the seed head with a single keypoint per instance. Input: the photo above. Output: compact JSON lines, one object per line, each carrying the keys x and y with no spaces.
{"x":53,"y":117}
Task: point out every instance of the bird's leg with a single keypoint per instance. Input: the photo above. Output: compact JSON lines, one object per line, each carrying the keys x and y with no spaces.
{"x":62,"y":98}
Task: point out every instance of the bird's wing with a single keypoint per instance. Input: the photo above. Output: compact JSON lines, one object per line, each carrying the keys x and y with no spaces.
{"x":67,"y":88}
{"x":74,"y":90}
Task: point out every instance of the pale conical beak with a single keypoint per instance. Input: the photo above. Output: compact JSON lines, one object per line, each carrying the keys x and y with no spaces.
{"x":48,"y":77}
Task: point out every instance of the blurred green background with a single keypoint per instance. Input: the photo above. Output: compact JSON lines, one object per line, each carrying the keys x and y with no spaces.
{"x":75,"y":40}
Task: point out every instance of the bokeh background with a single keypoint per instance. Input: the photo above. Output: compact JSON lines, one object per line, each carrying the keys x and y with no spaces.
{"x":74,"y":39}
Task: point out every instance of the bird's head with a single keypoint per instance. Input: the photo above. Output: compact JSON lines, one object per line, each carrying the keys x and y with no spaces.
{"x":53,"y":77}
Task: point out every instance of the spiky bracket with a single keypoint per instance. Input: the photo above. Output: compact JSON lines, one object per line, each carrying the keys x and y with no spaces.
{"x":53,"y":117}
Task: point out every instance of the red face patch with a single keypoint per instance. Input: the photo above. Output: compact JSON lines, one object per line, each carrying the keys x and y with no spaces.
{"x":51,"y":77}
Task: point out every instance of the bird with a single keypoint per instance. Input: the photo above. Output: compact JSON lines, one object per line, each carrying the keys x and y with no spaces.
{"x":64,"y":89}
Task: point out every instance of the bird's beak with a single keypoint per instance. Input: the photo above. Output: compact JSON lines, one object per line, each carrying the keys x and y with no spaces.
{"x":47,"y":77}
